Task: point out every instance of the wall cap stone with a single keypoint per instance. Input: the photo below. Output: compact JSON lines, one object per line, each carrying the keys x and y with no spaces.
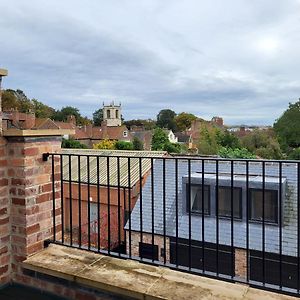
{"x":39,"y":132}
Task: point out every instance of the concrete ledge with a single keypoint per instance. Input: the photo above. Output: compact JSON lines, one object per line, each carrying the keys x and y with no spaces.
{"x":136,"y":280}
{"x":38,"y":132}
{"x":3,"y":72}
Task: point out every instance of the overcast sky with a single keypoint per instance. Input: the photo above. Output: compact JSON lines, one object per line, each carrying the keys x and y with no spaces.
{"x":239,"y":59}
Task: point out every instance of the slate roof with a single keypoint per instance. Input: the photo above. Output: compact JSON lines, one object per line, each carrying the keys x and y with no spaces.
{"x":107,"y":158}
{"x":289,"y":229}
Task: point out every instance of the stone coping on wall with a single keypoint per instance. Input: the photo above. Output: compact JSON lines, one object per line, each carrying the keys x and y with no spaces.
{"x":134,"y":279}
{"x":38,"y":132}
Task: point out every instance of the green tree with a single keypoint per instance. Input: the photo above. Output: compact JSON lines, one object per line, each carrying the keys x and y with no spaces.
{"x":294,"y":154}
{"x":71,"y":143}
{"x":184,"y":120}
{"x":208,"y":144}
{"x":148,"y":124}
{"x":172,"y":148}
{"x":228,"y":140}
{"x":98,"y":117}
{"x":137,"y":144}
{"x":42,"y":110}
{"x":122,"y":145}
{"x":263,"y":143}
{"x":25,"y":105}
{"x":9,"y":100}
{"x":159,"y":139}
{"x":226,"y":152}
{"x":287,"y":127}
{"x":166,"y":119}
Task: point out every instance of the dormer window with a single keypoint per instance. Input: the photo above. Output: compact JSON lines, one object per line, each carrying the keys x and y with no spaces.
{"x":196,"y":199}
{"x":270,"y":198}
{"x":224,"y":199}
{"x":125,"y":133}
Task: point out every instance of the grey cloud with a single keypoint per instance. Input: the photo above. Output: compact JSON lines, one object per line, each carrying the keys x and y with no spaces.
{"x":193,"y":55}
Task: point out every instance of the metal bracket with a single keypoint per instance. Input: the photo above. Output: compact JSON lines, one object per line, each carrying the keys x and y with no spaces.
{"x":45,"y":156}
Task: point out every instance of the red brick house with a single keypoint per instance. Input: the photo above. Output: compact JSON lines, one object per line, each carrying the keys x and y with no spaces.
{"x":110,"y":200}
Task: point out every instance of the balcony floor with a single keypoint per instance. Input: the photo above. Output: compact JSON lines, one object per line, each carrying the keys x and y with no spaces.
{"x":135,"y":280}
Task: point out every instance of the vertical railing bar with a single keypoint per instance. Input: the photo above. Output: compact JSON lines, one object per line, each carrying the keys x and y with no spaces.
{"x":125,"y":209}
{"x":70,"y":200}
{"x":298,"y":227}
{"x":263,"y":221}
{"x":190,"y":214}
{"x":141,"y":200}
{"x":62,"y":199}
{"x":53,"y":197}
{"x":119,"y":206}
{"x":89,"y":201}
{"x":164,"y":208}
{"x":79,"y":202}
{"x":203,"y":217}
{"x":280,"y":225}
{"x":217,"y":217}
{"x":108,"y":202}
{"x":98,"y":206}
{"x":232,"y":224}
{"x":247,"y":221}
{"x":152,"y":207}
{"x":176,"y":208}
{"x":129,"y":206}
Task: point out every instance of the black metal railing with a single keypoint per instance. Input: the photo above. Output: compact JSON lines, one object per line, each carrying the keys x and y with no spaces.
{"x":236,"y":220}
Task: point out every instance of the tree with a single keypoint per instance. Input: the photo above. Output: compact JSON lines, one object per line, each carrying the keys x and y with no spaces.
{"x":287,"y":127}
{"x":263,"y":143}
{"x":122,"y":145}
{"x":148,"y":124}
{"x":71,"y":143}
{"x":9,"y":100}
{"x":137,"y":144}
{"x":228,"y":140}
{"x":62,"y":115}
{"x":98,"y":117}
{"x":184,"y":120}
{"x":294,"y":154}
{"x":42,"y":110}
{"x":159,"y":139}
{"x":165,"y":119}
{"x":208,"y":144}
{"x":235,"y":153}
{"x":172,"y":148}
{"x":105,"y":144}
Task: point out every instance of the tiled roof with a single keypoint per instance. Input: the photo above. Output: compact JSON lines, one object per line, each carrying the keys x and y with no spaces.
{"x":80,"y":134}
{"x":107,"y":158}
{"x":65,"y":125}
{"x":112,"y":133}
{"x":289,"y":228}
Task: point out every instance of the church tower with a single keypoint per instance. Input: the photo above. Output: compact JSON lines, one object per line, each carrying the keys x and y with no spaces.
{"x":112,"y":114}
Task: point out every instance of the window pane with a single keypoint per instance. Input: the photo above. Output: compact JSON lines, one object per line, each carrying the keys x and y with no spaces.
{"x":271,"y":205}
{"x":196,"y":199}
{"x":225,"y":202}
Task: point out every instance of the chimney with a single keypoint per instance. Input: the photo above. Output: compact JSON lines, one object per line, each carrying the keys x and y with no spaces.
{"x":3,"y":73}
{"x":71,"y":119}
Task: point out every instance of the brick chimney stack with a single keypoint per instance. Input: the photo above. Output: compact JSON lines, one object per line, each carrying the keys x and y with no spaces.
{"x":3,"y":73}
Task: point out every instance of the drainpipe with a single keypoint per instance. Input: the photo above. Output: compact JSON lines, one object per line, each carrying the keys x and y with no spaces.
{"x":3,"y":73}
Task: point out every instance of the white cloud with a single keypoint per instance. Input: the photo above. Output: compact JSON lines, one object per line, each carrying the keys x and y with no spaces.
{"x":207,"y":57}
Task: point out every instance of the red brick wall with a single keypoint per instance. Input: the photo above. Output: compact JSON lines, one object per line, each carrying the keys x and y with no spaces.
{"x":103,"y":211}
{"x":4,"y":217}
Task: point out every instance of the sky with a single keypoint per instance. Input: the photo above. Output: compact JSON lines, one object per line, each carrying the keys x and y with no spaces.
{"x":238,"y":59}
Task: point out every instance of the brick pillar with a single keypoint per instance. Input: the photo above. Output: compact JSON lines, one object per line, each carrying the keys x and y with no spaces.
{"x":4,"y":217}
{"x":241,"y":263}
{"x":30,"y":191}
